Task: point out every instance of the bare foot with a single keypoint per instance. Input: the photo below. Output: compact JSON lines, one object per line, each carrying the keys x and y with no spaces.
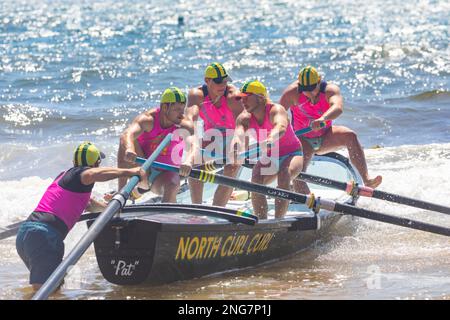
{"x":373,"y":183}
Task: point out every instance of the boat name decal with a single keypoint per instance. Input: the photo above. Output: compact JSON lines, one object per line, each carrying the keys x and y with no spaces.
{"x":123,"y":269}
{"x":193,"y":248}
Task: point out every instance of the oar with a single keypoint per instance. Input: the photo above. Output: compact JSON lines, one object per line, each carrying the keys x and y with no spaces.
{"x":10,"y":230}
{"x":254,"y":149}
{"x":243,"y":155}
{"x":308,"y":129}
{"x":353,"y":189}
{"x":232,"y":215}
{"x":313,"y":203}
{"x":117,"y":202}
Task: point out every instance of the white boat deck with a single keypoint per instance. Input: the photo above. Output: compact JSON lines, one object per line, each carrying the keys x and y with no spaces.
{"x":320,"y":166}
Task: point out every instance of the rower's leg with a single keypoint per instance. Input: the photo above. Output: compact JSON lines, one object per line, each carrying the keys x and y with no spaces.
{"x":308,"y":152}
{"x":289,"y":170}
{"x":339,"y":136}
{"x":171,"y":186}
{"x":121,"y":163}
{"x":223,"y":193}
{"x":196,"y":190}
{"x":167,"y":184}
{"x":259,"y":201}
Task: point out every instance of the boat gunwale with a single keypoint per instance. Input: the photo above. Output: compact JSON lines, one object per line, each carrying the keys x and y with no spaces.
{"x":262,"y":224}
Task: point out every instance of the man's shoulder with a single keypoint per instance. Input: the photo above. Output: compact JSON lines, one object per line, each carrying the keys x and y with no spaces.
{"x":290,"y":92}
{"x":196,"y":92}
{"x":292,"y":88}
{"x":332,"y":88}
{"x":73,"y":174}
{"x":73,"y":179}
{"x":277,"y":108}
{"x":147,"y":115}
{"x":77,"y":170}
{"x":195,"y":96}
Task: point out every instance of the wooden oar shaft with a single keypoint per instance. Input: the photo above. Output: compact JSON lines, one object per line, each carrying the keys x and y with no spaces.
{"x":114,"y":205}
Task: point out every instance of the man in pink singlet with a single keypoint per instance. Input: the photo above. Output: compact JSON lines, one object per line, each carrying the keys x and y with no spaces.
{"x":214,"y":102}
{"x":282,"y":158}
{"x":40,"y":239}
{"x":144,"y":135}
{"x":313,"y":101}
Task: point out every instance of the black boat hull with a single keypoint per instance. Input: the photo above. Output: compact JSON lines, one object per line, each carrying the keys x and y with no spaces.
{"x":150,"y":252}
{"x":158,"y":245}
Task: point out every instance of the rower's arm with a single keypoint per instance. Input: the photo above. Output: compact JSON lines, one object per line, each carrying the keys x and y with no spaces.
{"x":189,"y":140}
{"x":336,"y":102}
{"x":279,"y":119}
{"x":234,"y":104}
{"x":194,"y":102}
{"x":289,"y":96}
{"x":239,"y":138}
{"x":242,"y":123}
{"x":195,"y":99}
{"x":140,"y":124}
{"x":93,"y":175}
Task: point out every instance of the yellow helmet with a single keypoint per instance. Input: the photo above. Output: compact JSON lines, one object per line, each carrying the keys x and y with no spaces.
{"x":172,"y":95}
{"x":217,"y":72}
{"x":308,"y":78}
{"x":255,"y":87}
{"x":86,"y":154}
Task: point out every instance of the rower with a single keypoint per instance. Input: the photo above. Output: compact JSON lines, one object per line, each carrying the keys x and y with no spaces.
{"x":40,"y":239}
{"x":216,"y":105}
{"x":312,"y":102}
{"x":283,"y":157}
{"x":145,"y":133}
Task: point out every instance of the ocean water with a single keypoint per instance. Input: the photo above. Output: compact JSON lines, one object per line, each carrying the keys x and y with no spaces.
{"x":82,"y":70}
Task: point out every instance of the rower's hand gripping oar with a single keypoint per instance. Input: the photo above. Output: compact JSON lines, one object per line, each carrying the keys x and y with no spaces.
{"x":353,"y":189}
{"x":312,"y":202}
{"x":254,"y":150}
{"x":308,"y":129}
{"x":243,"y":155}
{"x":117,"y":202}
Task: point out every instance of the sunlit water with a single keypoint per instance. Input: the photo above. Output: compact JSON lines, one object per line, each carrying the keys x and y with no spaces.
{"x":73,"y":71}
